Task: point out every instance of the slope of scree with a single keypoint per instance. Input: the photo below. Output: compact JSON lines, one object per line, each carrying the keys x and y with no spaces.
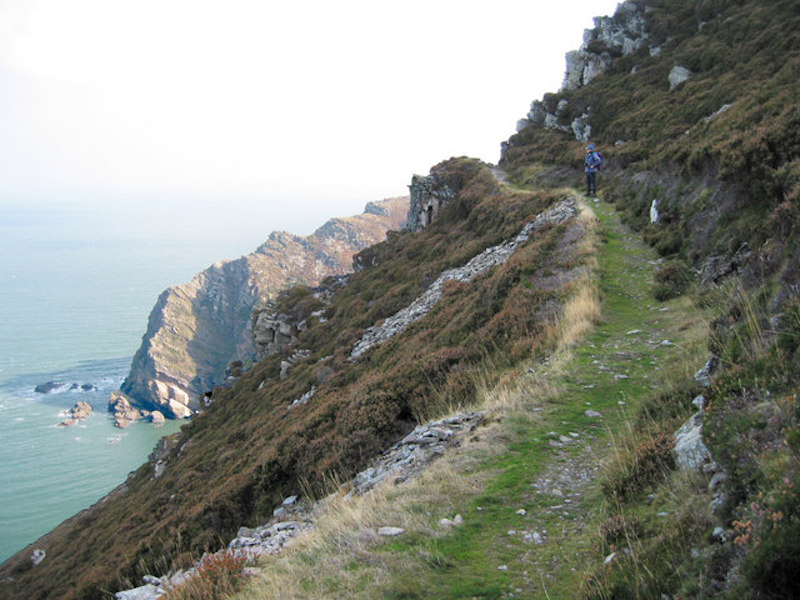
{"x":233,"y":464}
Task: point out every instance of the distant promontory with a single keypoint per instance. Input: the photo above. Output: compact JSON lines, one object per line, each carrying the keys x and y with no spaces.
{"x":196,"y":329}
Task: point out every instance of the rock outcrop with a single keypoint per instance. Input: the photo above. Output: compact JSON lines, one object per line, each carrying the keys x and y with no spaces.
{"x":77,"y":413}
{"x":429,"y":195}
{"x":196,"y":329}
{"x":620,"y":35}
{"x":612,"y":37}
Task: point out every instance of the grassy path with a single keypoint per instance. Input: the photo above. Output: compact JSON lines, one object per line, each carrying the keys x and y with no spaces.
{"x":531,"y":533}
{"x":531,"y":512}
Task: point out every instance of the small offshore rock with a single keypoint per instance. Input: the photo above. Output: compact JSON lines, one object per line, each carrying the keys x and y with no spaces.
{"x":50,"y":386}
{"x":124,"y":413}
{"x":80,"y":411}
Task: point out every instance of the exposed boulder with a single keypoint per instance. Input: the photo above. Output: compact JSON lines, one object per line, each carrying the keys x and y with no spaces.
{"x":37,"y":557}
{"x":678,"y":75}
{"x":690,"y":450}
{"x":196,"y":329}
{"x":77,"y":413}
{"x":654,"y":211}
{"x":124,"y":413}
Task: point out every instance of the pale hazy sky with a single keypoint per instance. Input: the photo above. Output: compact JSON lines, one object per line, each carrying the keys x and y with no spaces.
{"x":309,"y":106}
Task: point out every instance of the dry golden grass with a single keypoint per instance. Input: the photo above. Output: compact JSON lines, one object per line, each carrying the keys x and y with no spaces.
{"x":345,"y":532}
{"x":582,"y":310}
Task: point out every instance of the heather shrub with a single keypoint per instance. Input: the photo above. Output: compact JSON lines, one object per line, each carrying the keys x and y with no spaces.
{"x":644,"y":462}
{"x":672,"y":279}
{"x":218,"y":577}
{"x":619,"y":528}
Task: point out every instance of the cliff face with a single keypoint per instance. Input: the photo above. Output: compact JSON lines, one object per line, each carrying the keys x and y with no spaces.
{"x":197,"y":328}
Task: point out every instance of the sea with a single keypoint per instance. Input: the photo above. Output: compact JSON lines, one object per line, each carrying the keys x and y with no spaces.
{"x":78,"y":278}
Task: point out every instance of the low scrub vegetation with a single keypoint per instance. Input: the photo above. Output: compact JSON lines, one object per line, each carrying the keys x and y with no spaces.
{"x":218,"y":577}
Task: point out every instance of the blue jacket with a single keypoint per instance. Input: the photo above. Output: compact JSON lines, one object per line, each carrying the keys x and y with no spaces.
{"x":593,"y":161}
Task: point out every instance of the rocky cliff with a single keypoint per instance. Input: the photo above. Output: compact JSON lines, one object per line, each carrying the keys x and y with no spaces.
{"x":197,"y":328}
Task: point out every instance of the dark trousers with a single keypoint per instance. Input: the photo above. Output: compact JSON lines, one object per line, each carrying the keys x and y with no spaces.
{"x":591,"y":184}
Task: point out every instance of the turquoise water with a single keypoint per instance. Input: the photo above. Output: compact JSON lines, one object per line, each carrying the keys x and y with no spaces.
{"x":77,"y":282}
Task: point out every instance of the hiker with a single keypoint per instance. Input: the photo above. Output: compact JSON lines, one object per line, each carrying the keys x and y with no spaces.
{"x":593,"y":162}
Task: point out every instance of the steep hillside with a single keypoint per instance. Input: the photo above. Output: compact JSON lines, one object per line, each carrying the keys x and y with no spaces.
{"x":255,"y":445}
{"x":695,"y":107}
{"x":609,"y":463}
{"x":698,"y":116}
{"x":690,"y":488}
{"x":196,"y":329}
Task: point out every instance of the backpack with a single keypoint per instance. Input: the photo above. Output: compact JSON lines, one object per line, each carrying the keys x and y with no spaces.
{"x":595,"y":160}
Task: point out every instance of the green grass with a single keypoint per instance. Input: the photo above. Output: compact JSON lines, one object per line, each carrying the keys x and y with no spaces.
{"x":482,"y":558}
{"x":476,"y":551}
